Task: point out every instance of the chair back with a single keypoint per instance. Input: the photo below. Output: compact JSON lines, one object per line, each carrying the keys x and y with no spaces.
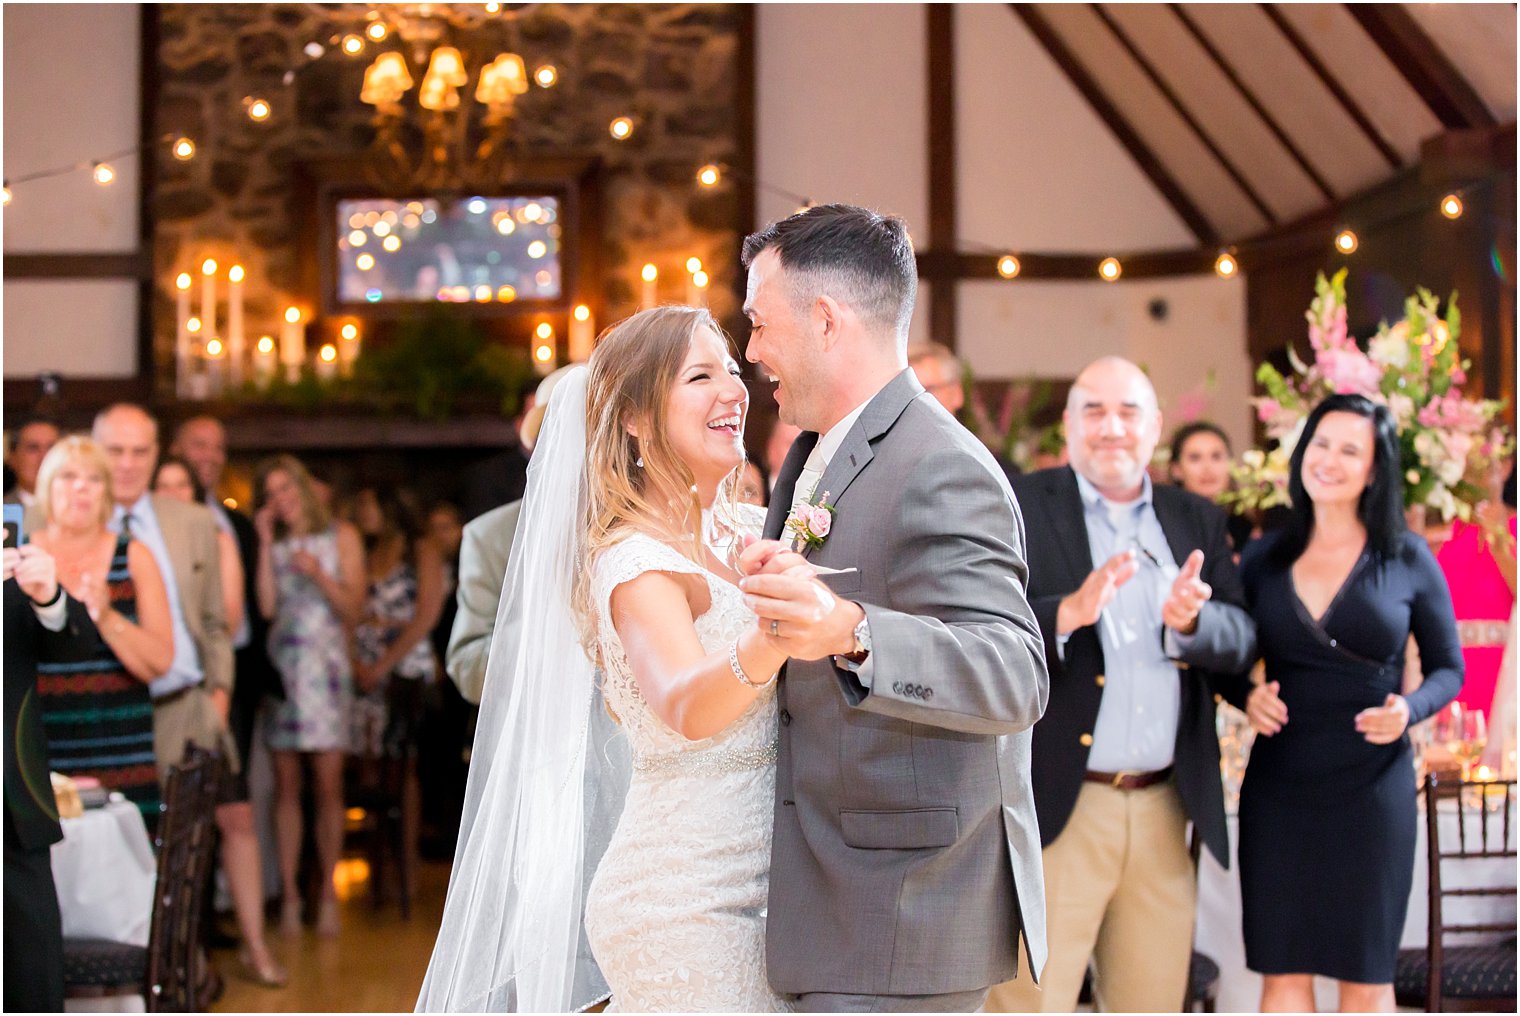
{"x":1483,"y":829}
{"x":186,"y":841}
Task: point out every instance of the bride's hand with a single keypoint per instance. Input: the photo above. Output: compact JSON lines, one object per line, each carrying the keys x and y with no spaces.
{"x":801,"y":614}
{"x":768,"y":557}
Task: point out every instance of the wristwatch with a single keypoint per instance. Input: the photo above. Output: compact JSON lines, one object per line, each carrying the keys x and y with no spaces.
{"x":862,"y":638}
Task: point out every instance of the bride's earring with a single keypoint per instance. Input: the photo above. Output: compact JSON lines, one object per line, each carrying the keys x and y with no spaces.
{"x":639,"y":462}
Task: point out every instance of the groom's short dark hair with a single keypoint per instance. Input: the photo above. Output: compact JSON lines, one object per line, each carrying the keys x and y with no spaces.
{"x":856,"y":255}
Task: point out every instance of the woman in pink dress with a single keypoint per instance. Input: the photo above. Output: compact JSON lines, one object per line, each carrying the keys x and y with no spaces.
{"x":1479,"y":563}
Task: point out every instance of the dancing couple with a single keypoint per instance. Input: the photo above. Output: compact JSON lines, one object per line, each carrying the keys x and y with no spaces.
{"x":746,"y":763}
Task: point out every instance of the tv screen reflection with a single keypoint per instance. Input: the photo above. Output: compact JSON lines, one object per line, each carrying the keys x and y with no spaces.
{"x":466,"y":250}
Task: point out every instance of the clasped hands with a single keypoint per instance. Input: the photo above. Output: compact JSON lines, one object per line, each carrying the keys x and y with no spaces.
{"x":809,"y":622}
{"x":1382,"y":724}
{"x":1179,"y":612}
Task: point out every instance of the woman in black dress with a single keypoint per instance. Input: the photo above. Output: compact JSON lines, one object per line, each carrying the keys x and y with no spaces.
{"x":1327,"y":809}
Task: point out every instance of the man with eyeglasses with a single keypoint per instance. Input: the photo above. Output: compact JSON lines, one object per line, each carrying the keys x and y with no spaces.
{"x":1143,"y":617}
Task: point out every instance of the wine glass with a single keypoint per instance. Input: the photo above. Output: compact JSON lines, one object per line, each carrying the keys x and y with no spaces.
{"x":1472,"y":736}
{"x":1446,"y":733}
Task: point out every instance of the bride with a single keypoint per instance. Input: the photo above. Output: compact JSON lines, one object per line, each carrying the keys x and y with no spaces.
{"x":624,"y":556}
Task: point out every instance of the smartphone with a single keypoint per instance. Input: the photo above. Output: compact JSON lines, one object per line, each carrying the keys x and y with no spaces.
{"x":14,"y":537}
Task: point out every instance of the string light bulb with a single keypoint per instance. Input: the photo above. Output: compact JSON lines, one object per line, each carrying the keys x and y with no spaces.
{"x":183,"y":149}
{"x":1225,"y":265}
{"x":377,"y":31}
{"x":493,"y":8}
{"x":621,"y":129}
{"x":258,"y":110}
{"x":1109,"y":269}
{"x":1451,"y":206}
{"x":709,"y":175}
{"x":104,"y":174}
{"x":546,"y":76}
{"x":353,"y":45}
{"x":1008,"y":266}
{"x":1346,"y":242}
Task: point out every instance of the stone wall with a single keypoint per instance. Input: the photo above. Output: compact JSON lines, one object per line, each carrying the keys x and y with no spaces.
{"x":672,"y":67}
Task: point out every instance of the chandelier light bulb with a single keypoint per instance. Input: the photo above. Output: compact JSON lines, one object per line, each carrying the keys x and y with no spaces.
{"x":546,"y":76}
{"x":184,"y":149}
{"x":1451,"y":206}
{"x":1225,"y":266}
{"x":258,"y":110}
{"x":1110,"y":269}
{"x":1008,"y":266}
{"x":1346,"y":242}
{"x":621,"y":129}
{"x":104,"y":174}
{"x":709,"y":175}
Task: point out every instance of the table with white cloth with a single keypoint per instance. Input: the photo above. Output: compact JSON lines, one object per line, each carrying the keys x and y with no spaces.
{"x":1219,"y":936}
{"x":104,"y":869}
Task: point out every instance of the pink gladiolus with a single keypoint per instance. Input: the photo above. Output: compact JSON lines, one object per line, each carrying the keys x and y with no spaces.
{"x":1267,"y":409}
{"x":1349,"y":371}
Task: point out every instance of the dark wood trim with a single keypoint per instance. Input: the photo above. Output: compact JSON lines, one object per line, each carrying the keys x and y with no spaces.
{"x":938,"y":267}
{"x":147,"y":176}
{"x":1481,"y":203}
{"x":1353,"y":110}
{"x":1172,"y":97}
{"x":745,"y":125}
{"x":1251,"y":100}
{"x":942,"y":165}
{"x":1149,"y":164}
{"x":77,"y":401}
{"x":136,"y":265}
{"x":1416,"y":56}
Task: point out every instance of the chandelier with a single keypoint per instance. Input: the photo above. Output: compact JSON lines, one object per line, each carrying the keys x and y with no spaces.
{"x":464,"y":102}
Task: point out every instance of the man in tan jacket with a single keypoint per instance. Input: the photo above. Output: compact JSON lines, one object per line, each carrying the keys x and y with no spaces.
{"x":190,"y":702}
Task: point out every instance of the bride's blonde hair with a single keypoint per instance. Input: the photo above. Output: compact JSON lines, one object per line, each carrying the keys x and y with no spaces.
{"x":640,"y":483}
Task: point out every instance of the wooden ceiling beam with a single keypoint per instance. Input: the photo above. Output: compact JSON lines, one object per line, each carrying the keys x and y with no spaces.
{"x":1433,"y":77}
{"x":1350,"y":105}
{"x":1133,"y":143}
{"x":1250,"y":97}
{"x":1172,"y":97}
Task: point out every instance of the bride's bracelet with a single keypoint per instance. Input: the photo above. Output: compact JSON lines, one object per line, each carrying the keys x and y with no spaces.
{"x":734,"y":665}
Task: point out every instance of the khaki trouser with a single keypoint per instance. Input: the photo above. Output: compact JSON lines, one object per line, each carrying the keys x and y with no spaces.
{"x":1120,"y":888}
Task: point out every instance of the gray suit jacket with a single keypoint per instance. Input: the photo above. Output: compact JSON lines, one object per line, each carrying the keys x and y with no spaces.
{"x":906,"y":855}
{"x":484,"y":553}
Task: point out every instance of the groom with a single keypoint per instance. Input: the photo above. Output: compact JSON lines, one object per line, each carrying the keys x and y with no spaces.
{"x":906,"y":857}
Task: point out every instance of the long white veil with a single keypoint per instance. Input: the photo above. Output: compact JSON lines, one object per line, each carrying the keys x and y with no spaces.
{"x":548,"y":770}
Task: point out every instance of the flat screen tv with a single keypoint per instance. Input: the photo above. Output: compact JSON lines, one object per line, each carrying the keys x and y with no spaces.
{"x":475,"y":250}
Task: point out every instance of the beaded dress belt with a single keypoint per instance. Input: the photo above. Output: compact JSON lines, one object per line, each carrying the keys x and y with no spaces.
{"x":1129,"y":781}
{"x":1473,"y":634}
{"x":713,"y":762}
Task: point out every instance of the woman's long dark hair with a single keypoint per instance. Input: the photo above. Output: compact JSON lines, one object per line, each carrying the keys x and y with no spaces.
{"x":1381,"y":506}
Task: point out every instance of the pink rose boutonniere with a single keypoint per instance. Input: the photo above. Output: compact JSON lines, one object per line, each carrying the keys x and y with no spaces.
{"x":810,"y":523}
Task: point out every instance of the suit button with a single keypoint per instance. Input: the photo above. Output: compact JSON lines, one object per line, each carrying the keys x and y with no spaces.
{"x":786,"y":718}
{"x":1100,"y":680}
{"x":1086,"y":740}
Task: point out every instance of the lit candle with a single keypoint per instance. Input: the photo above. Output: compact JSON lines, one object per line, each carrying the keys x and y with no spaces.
{"x":348,"y":349}
{"x":263,"y":362}
{"x":327,"y":362}
{"x":235,"y":350}
{"x":182,"y":353}
{"x":582,"y":334}
{"x":216,"y":358}
{"x":693,"y":292}
{"x":543,"y":349}
{"x":651,"y":277}
{"x":208,"y":297}
{"x":699,"y":283}
{"x":292,"y":344}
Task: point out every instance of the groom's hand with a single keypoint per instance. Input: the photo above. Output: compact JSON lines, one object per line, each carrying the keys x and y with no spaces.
{"x":768,"y":557}
{"x":811,"y":623}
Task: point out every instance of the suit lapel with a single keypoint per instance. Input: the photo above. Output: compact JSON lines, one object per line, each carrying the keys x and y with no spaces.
{"x":786,"y":483}
{"x":874,"y":422}
{"x":172,"y":529}
{"x":1068,"y":519}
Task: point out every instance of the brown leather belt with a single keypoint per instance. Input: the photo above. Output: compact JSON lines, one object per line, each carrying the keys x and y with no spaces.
{"x":1130,"y":781}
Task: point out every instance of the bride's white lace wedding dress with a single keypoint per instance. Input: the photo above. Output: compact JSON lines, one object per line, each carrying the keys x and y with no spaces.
{"x":676,"y":912}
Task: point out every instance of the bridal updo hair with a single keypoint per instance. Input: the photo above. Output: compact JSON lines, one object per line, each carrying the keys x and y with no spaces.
{"x":640,"y":483}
